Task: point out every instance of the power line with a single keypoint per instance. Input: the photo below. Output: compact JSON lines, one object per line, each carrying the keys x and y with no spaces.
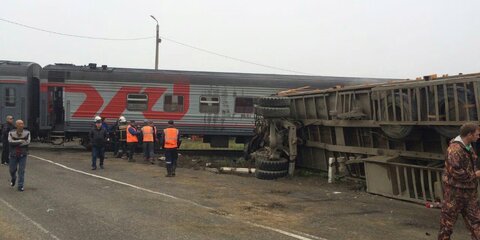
{"x":74,"y":35}
{"x":150,"y":37}
{"x":233,"y":58}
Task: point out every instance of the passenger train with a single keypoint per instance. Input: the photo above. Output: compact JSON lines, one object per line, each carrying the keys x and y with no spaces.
{"x":64,"y":98}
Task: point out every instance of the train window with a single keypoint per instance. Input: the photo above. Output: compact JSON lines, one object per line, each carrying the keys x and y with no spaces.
{"x":137,"y":102}
{"x":209,"y":104}
{"x":243,"y":105}
{"x":10,"y":97}
{"x":173,"y":103}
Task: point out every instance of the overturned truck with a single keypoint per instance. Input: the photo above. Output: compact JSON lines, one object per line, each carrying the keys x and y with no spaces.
{"x":391,"y":135}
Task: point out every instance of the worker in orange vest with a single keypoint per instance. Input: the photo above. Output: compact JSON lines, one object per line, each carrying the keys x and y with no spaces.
{"x":149,"y":135}
{"x":170,"y":141}
{"x":132,"y":140}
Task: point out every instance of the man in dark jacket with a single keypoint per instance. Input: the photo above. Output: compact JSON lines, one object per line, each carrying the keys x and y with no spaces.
{"x":18,"y":141}
{"x":7,"y":127}
{"x":460,"y":184}
{"x":170,"y":141}
{"x":98,"y":138}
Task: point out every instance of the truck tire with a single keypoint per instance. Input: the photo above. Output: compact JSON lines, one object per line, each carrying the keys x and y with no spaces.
{"x":271,"y":165}
{"x":398,"y":131}
{"x":270,"y":175}
{"x":272,"y":112}
{"x":452,"y":131}
{"x":274,"y":102}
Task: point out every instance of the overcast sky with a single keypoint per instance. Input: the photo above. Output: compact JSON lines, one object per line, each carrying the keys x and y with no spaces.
{"x":383,"y":38}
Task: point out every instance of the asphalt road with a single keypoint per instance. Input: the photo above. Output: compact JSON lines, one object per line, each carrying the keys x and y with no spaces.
{"x":61,"y":203}
{"x":64,"y":199}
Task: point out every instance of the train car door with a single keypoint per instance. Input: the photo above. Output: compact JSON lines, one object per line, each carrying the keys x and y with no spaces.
{"x":56,"y":111}
{"x":11,"y":101}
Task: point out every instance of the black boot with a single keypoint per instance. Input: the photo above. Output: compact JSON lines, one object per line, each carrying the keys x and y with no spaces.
{"x":169,"y":170}
{"x":173,"y":170}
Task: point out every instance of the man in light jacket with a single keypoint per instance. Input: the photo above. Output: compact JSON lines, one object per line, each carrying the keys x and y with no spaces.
{"x":18,"y":141}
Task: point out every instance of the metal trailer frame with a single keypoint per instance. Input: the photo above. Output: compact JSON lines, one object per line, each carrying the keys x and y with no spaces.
{"x":392,"y":135}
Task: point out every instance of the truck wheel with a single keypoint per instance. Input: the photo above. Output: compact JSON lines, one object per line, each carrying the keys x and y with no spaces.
{"x":271,"y":165}
{"x":270,"y":175}
{"x":272,"y":112}
{"x":274,"y":102}
{"x":397,"y":131}
{"x":463,"y":108}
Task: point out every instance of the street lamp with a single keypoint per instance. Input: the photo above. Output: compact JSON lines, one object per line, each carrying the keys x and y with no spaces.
{"x":157,"y":42}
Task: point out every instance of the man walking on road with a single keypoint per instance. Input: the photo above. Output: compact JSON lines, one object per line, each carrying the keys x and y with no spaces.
{"x":98,"y":138}
{"x":460,"y":184}
{"x":7,"y":127}
{"x":171,"y":142}
{"x":18,"y":141}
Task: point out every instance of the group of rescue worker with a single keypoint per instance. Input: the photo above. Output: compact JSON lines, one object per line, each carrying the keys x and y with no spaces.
{"x":126,"y":137}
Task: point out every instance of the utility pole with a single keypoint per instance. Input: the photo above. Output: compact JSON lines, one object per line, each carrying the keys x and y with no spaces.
{"x":157,"y":42}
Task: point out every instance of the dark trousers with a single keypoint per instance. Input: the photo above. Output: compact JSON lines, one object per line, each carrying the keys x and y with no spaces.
{"x":131,"y":150}
{"x":98,"y":152}
{"x":121,"y":148}
{"x":5,"y":152}
{"x":115,"y":146}
{"x":171,"y":156}
{"x":147,"y":150}
{"x":20,"y":163}
{"x":459,"y":201}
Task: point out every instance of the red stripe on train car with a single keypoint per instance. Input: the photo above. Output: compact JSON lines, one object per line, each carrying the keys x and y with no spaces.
{"x":14,"y":81}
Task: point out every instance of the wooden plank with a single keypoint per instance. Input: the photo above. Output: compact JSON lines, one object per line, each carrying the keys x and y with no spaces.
{"x":372,"y":104}
{"x":393,"y":106}
{"x":445,"y":96}
{"x":294,"y":108}
{"x":337,"y":96}
{"x":419,"y":112}
{"x":315,"y":107}
{"x":386,"y":107}
{"x":477,"y":100}
{"x":409,"y":98}
{"x":455,"y":100}
{"x":440,"y":180}
{"x":428,"y":102}
{"x":467,"y":103}
{"x":399,"y":184}
{"x":432,"y":197}
{"x":326,"y":107}
{"x":435,"y":95}
{"x":462,"y":80}
{"x":422,"y":181}
{"x":406,"y":181}
{"x":350,"y":102}
{"x":305,"y":107}
{"x":379,"y":110}
{"x":375,"y":151}
{"x":402,"y":113}
{"x":414,"y":182}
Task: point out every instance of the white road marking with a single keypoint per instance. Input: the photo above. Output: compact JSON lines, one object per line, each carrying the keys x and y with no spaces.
{"x":29,"y":220}
{"x":296,"y":235}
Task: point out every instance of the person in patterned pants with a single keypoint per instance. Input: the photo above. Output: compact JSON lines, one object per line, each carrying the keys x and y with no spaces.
{"x":460,"y":184}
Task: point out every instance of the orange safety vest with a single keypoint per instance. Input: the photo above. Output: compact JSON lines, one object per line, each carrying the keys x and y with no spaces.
{"x":147,"y":133}
{"x":171,"y":137}
{"x":130,"y":137}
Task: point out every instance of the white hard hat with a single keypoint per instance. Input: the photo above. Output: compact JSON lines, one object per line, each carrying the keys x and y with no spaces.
{"x":97,"y":118}
{"x":122,"y":119}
